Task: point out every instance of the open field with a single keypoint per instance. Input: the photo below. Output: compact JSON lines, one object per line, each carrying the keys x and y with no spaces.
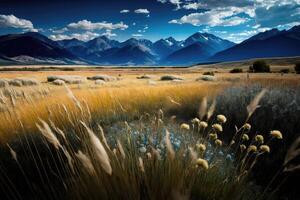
{"x":134,"y":137}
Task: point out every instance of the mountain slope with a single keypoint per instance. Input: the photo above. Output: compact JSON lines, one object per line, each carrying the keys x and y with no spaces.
{"x":282,"y":44}
{"x":197,"y":48}
{"x":165,"y":47}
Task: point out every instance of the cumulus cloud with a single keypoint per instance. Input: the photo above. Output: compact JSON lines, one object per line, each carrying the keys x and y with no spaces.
{"x":15,"y":22}
{"x":217,"y":17}
{"x":177,"y":3}
{"x":142,"y":11}
{"x":90,"y":26}
{"x":278,"y":14}
{"x":125,"y":11}
{"x":109,"y":34}
{"x":86,"y":36}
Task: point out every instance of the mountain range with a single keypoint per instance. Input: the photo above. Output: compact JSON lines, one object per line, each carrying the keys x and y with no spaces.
{"x":35,"y":48}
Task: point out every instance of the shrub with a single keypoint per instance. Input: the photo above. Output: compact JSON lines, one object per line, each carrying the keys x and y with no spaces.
{"x":236,"y":70}
{"x":209,"y":73}
{"x":285,"y":71}
{"x":170,"y":78}
{"x":297,"y":68}
{"x":260,"y":66}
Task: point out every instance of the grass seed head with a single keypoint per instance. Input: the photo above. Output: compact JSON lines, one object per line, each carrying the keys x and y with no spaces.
{"x":185,"y":126}
{"x":245,"y":137}
{"x":202,"y":163}
{"x":276,"y":134}
{"x":264,"y":148}
{"x":221,"y":118}
{"x":259,"y":139}
{"x":252,"y":148}
{"x":243,"y":147}
{"x":247,"y":126}
{"x":203,"y":124}
{"x":217,"y":127}
{"x":201,"y":147}
{"x":213,"y":136}
{"x":218,"y":142}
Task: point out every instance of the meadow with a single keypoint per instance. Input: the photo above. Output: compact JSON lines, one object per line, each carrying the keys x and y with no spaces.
{"x":132,"y":134}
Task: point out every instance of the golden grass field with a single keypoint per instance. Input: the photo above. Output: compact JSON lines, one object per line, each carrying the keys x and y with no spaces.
{"x":115,"y":163}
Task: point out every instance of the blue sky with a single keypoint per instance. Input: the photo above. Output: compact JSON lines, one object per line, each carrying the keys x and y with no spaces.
{"x":234,"y":20}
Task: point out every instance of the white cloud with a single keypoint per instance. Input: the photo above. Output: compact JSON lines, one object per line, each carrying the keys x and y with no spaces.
{"x":142,"y":11}
{"x":177,"y":3}
{"x":80,"y":36}
{"x":89,"y":26}
{"x":15,"y":22}
{"x":192,"y":6}
{"x":109,"y":34}
{"x":137,"y":35}
{"x":217,"y":17}
{"x":125,"y":11}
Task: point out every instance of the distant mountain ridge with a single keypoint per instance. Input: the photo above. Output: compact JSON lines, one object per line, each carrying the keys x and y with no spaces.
{"x":272,"y":43}
{"x":35,"y":48}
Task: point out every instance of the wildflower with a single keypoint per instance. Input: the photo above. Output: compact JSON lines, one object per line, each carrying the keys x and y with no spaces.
{"x":264,"y":148}
{"x":221,"y":118}
{"x":259,"y":139}
{"x":276,"y":134}
{"x":195,"y":121}
{"x":218,"y":142}
{"x":185,"y":126}
{"x":202,"y":163}
{"x":245,"y":137}
{"x":203,"y":124}
{"x":243,"y":147}
{"x":201,"y":147}
{"x":247,"y":126}
{"x":213,"y":136}
{"x":217,"y":127}
{"x":252,"y":148}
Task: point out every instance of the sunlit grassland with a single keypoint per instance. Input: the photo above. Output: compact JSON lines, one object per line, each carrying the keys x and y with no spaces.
{"x":135,"y":139}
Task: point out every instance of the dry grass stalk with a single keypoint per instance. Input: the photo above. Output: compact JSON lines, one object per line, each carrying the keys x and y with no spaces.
{"x":211,"y":109}
{"x":86,"y":162}
{"x":99,"y":150}
{"x":141,"y":164}
{"x":202,"y":108}
{"x":121,"y":149}
{"x":48,"y":134}
{"x":170,"y":150}
{"x":254,"y":103}
{"x":12,"y":153}
{"x":292,"y":154}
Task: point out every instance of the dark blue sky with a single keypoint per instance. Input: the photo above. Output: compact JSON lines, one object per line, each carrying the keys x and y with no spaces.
{"x":152,"y":19}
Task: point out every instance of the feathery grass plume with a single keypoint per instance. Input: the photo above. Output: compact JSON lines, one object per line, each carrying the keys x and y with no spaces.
{"x":245,"y":137}
{"x":217,"y":127}
{"x":252,"y":148}
{"x":193,"y":154}
{"x":86,"y":162}
{"x":99,"y":150}
{"x":218,"y":142}
{"x":211,"y":109}
{"x":121,"y":149}
{"x":203,"y":124}
{"x":243,"y":147}
{"x":69,"y":158}
{"x":141,"y":164}
{"x":259,"y":139}
{"x":246,"y":126}
{"x":185,"y":127}
{"x":276,"y":134}
{"x":160,"y":114}
{"x":202,"y":108}
{"x":264,"y":148}
{"x":221,"y":118}
{"x":103,"y":136}
{"x":292,"y":153}
{"x":173,"y":101}
{"x":73,"y":98}
{"x":148,"y":154}
{"x":202,"y":163}
{"x":213,"y":136}
{"x":12,"y":153}
{"x":254,"y":103}
{"x":201,"y":147}
{"x":170,"y":150}
{"x":232,"y":142}
{"x":156,"y":153}
{"x":48,"y":134}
